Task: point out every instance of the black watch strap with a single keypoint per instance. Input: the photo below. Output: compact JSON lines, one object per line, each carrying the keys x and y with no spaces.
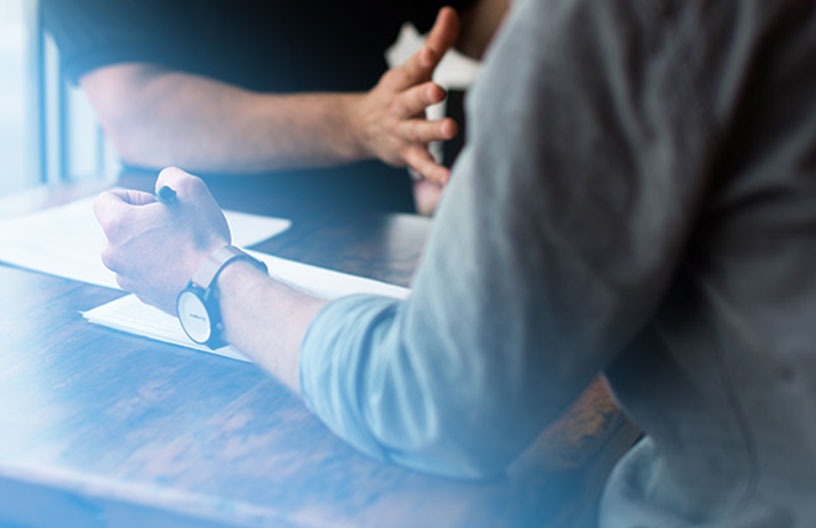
{"x":217,"y":261}
{"x":203,"y":284}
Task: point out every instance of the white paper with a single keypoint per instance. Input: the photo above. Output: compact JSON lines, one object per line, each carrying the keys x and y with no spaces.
{"x":128,"y":314}
{"x":67,"y":241}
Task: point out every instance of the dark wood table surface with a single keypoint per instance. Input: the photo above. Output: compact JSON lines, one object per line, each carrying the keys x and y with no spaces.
{"x":100,"y":428}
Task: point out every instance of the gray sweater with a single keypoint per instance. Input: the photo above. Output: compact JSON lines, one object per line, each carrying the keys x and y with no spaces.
{"x":637,"y":197}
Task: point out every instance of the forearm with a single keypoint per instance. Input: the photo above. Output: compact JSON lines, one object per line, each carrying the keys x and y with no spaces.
{"x":175,"y":118}
{"x":265,"y":319}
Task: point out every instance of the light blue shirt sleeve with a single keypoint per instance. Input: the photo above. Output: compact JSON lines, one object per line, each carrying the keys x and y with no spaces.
{"x":330,"y":349}
{"x":360,"y":375}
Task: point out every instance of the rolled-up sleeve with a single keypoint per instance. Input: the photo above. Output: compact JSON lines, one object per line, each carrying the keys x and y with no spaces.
{"x":557,"y":238}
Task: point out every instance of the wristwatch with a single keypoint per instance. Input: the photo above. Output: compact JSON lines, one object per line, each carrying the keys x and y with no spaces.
{"x":197,"y":304}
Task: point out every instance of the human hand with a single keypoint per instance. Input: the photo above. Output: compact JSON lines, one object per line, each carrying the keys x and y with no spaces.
{"x":390,"y":122}
{"x":155,"y":248}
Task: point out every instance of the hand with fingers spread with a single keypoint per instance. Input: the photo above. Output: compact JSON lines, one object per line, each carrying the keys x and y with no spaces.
{"x":390,"y":122}
{"x":155,"y":248}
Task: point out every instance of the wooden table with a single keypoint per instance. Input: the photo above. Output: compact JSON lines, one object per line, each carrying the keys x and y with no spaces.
{"x":103,"y":428}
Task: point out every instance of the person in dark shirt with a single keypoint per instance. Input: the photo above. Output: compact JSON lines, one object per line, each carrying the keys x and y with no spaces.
{"x":269,"y":86}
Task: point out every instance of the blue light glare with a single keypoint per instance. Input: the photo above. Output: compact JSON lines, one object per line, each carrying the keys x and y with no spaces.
{"x":12,"y":95}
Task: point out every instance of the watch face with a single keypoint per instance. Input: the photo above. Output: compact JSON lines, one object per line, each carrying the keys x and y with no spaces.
{"x":194,"y":317}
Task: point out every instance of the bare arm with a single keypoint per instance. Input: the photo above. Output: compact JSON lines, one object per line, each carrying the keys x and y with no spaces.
{"x":157,"y":117}
{"x":266,"y":319}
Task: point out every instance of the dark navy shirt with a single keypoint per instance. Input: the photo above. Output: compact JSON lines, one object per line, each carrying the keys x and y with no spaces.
{"x":260,"y":45}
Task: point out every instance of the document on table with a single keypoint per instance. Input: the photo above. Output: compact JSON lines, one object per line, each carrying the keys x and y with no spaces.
{"x":67,"y":241}
{"x":128,"y":314}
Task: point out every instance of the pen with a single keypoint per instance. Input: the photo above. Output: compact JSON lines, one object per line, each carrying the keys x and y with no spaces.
{"x":166,"y":195}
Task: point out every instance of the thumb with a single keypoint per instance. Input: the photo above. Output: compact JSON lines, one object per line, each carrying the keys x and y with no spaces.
{"x":188,"y":187}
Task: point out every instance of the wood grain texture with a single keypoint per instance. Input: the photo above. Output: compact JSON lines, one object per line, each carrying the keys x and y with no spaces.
{"x":103,"y":428}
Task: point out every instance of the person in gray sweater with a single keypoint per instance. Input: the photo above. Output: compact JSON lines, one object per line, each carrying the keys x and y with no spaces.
{"x":637,"y":198}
